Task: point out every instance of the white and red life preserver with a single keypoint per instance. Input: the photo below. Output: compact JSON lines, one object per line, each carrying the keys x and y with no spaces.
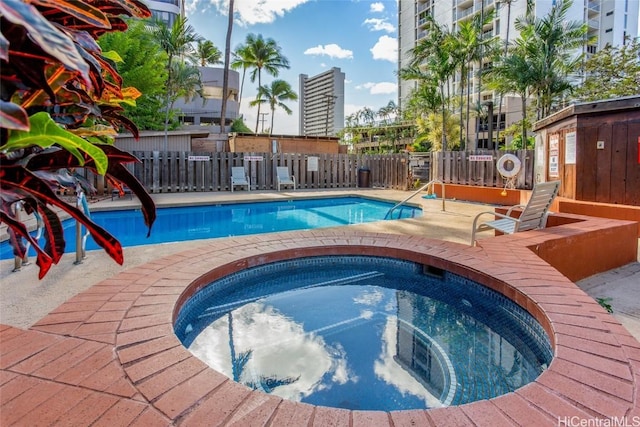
{"x":509,"y":165}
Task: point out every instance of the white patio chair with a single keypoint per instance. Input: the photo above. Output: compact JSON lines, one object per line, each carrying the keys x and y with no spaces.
{"x":283,"y":177}
{"x":239,"y":177}
{"x":533,"y":215}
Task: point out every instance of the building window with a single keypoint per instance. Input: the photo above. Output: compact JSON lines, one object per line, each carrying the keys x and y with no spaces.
{"x":609,"y":30}
{"x":610,"y":13}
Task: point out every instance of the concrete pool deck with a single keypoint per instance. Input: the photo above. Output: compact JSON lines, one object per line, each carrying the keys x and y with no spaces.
{"x":106,"y":352}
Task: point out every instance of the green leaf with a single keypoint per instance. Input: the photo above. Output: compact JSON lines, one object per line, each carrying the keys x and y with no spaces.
{"x":45,"y":132}
{"x":112,"y":55}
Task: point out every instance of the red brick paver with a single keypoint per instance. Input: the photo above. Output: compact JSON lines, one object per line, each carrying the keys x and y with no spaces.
{"x":109,"y":355}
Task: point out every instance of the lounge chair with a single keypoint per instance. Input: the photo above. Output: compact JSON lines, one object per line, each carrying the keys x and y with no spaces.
{"x":239,"y":177}
{"x":533,"y":215}
{"x":283,"y":177}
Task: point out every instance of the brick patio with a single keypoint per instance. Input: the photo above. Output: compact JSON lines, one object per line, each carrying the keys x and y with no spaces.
{"x":108,"y":356}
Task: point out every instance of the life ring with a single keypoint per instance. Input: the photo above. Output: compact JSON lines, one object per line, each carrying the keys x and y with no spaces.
{"x":509,"y":165}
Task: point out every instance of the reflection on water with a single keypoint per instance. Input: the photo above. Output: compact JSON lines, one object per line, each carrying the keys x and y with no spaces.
{"x":347,"y":337}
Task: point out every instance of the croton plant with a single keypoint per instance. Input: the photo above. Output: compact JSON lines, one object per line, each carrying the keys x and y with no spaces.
{"x":60,"y":106}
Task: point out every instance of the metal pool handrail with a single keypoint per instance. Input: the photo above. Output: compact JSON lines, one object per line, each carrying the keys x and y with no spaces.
{"x":433,"y":181}
{"x":17,"y":261}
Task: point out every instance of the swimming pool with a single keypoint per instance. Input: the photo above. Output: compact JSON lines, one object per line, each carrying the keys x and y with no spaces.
{"x":174,"y":224}
{"x":363,"y":333}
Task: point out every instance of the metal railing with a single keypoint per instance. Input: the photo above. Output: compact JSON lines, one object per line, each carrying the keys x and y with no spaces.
{"x":81,"y":239}
{"x":17,"y":261}
{"x":415,"y":193}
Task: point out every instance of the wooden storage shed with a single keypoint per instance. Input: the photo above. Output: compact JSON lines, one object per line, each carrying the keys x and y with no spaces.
{"x":594,"y":149}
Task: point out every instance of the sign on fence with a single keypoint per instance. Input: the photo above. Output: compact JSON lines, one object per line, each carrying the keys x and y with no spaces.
{"x":481,"y":158}
{"x":312,"y":164}
{"x":162,"y":172}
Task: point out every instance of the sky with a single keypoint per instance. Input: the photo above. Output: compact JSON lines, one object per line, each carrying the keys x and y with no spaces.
{"x":357,"y":36}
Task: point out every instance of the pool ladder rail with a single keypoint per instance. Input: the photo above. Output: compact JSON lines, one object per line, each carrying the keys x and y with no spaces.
{"x":415,"y":193}
{"x":81,"y":238}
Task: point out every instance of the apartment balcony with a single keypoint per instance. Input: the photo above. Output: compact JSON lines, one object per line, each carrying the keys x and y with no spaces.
{"x":460,"y":15}
{"x":424,"y":6}
{"x":593,"y":8}
{"x":593,"y":24}
{"x":464,"y":3}
{"x":474,"y":7}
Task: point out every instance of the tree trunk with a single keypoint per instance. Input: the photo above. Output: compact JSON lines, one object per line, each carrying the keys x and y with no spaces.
{"x":273,"y":113}
{"x":506,"y":51}
{"x":225,"y":79}
{"x":259,"y":103}
{"x":444,"y":133}
{"x":524,"y":121}
{"x":462,"y":80}
{"x":168,"y":107}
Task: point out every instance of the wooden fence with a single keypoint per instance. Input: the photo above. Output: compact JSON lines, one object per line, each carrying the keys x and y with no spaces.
{"x":183,"y":171}
{"x":473,"y":168}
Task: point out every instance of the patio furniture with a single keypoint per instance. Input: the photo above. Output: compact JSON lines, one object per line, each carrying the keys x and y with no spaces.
{"x":283,"y":177}
{"x":532,"y":216}
{"x":239,"y":177}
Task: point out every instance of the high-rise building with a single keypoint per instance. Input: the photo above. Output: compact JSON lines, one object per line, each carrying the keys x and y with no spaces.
{"x":321,"y":101}
{"x":165,"y":10}
{"x":609,"y":23}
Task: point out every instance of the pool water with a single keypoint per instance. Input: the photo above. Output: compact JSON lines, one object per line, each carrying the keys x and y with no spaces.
{"x":363,"y":333}
{"x":224,"y":220}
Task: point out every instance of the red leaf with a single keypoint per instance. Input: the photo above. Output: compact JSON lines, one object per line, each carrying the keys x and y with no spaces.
{"x":21,"y":178}
{"x":12,"y":116}
{"x":44,"y":261}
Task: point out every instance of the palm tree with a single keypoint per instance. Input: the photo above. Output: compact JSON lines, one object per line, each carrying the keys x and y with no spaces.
{"x":387,"y":111}
{"x":263,"y":54}
{"x":506,"y":50}
{"x":206,"y":53}
{"x":186,"y":82}
{"x":551,"y":43}
{"x":423,"y":100}
{"x":242,"y":59}
{"x":275,"y":95}
{"x":431,"y":60}
{"x":467,"y":46}
{"x":430,"y":127}
{"x":514,"y":74}
{"x":225,"y":78}
{"x":176,"y":42}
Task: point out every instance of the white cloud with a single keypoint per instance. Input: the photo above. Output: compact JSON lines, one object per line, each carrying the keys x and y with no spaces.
{"x":248,"y":12}
{"x":381,"y":88}
{"x":376,"y":24}
{"x":331,"y":50}
{"x":376,"y":7}
{"x":351,"y":109}
{"x":283,"y":124}
{"x":254,"y":327}
{"x":386,"y":49}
